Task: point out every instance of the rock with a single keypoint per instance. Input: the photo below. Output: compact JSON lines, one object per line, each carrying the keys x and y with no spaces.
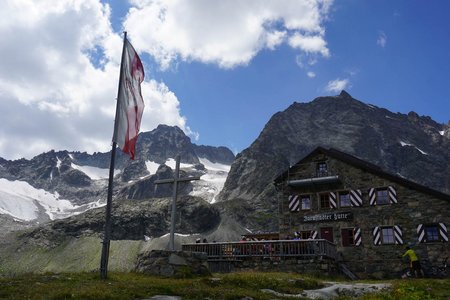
{"x":177,"y":260}
{"x":344,"y":123}
{"x":132,"y":220}
{"x":164,"y":297}
{"x":179,"y":264}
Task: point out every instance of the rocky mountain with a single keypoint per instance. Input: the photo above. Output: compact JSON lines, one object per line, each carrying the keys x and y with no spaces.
{"x":131,"y":220}
{"x":412,"y":146}
{"x":59,"y":184}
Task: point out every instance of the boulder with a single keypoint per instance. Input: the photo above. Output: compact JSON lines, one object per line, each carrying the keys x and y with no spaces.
{"x":178,"y":264}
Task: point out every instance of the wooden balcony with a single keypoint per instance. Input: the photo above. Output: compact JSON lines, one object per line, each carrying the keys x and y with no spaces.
{"x":274,"y":249}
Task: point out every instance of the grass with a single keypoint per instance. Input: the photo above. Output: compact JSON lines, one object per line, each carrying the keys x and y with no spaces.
{"x":220,"y":286}
{"x":75,"y":256}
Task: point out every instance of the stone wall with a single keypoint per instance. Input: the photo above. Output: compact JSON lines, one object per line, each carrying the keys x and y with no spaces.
{"x":413,"y":207}
{"x":314,"y":266}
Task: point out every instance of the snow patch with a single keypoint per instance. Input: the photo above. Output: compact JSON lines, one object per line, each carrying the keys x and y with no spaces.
{"x":22,"y":201}
{"x":152,"y":167}
{"x":58,"y":162}
{"x":58,"y":165}
{"x":214,"y":166}
{"x":93,"y":172}
{"x":180,"y":234}
{"x":442,"y":132}
{"x":411,"y":145}
{"x":212,"y":182}
{"x":172,"y":164}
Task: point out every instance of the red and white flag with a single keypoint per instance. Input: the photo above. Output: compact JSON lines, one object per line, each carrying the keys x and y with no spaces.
{"x":130,"y":102}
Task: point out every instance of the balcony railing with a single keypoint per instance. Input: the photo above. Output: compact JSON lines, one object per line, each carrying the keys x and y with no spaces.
{"x":272,"y":249}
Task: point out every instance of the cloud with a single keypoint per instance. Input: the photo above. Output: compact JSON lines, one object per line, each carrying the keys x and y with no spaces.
{"x":227,"y":33}
{"x":309,"y":44}
{"x":337,"y":85}
{"x":58,"y":80}
{"x":382,"y":39}
{"x":305,"y":61}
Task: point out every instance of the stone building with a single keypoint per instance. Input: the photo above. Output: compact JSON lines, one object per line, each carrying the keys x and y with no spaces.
{"x":369,"y":214}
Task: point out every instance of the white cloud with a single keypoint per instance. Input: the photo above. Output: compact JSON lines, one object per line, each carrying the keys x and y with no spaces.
{"x":60,"y":60}
{"x":309,"y":44}
{"x":305,"y":61}
{"x":382,"y":39}
{"x":227,"y":33}
{"x":59,"y":75}
{"x":337,"y":85}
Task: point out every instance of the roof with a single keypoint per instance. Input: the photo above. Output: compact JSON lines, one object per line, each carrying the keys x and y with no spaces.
{"x":369,"y":167}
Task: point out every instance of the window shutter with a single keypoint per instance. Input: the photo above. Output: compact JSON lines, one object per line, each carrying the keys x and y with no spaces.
{"x":421,"y":233}
{"x":376,"y":236}
{"x":294,"y":203}
{"x":332,"y":198}
{"x":443,"y":232}
{"x":357,"y":236}
{"x":345,"y":237}
{"x":372,"y":197}
{"x":392,"y":194}
{"x":356,"y":197}
{"x":398,"y":236}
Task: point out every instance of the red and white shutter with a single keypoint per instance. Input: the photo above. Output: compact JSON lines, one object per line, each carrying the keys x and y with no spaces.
{"x":333,"y":202}
{"x":392,"y":194}
{"x":421,"y":233}
{"x":356,"y":197}
{"x":294,"y":203}
{"x":376,"y":236}
{"x":398,"y":235}
{"x":357,"y":236}
{"x":443,"y":232}
{"x":372,"y":196}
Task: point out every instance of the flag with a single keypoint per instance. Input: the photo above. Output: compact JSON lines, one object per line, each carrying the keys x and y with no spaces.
{"x":130,"y":103}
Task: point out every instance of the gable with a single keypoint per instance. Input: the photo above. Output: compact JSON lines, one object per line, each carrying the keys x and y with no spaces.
{"x":309,"y":169}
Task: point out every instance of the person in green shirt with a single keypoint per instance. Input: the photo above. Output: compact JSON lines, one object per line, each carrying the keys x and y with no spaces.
{"x":414,"y":262}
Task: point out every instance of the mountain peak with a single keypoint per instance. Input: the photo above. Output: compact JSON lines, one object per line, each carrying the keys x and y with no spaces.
{"x":164,"y":127}
{"x":344,"y":94}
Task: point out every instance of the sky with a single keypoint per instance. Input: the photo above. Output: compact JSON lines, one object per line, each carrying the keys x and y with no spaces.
{"x":217,"y":69}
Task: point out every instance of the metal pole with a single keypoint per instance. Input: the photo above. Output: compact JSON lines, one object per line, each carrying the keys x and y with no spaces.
{"x":174,"y":204}
{"x":107,"y":236}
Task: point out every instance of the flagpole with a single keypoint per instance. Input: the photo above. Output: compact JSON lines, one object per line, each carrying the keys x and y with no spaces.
{"x":107,"y":234}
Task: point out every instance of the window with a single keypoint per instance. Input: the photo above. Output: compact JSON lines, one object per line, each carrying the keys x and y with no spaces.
{"x":382,"y":197}
{"x":325,"y":201}
{"x":348,"y":237}
{"x":344,"y":199}
{"x":387,"y":235}
{"x":322,"y":169}
{"x":304,"y":235}
{"x":306,"y":202}
{"x":432,"y":233}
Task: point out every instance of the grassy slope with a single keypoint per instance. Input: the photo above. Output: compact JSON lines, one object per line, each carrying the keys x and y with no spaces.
{"x":74,"y":255}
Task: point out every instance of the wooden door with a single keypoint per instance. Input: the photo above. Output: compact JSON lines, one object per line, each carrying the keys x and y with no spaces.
{"x":326,"y":233}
